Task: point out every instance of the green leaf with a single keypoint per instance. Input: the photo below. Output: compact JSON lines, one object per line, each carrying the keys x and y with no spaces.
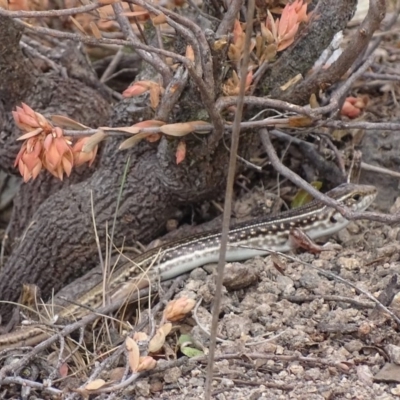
{"x":302,"y":197}
{"x":185,"y":340}
{"x":191,"y":352}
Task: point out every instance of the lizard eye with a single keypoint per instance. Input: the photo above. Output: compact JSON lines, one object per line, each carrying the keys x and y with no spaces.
{"x":356,"y":197}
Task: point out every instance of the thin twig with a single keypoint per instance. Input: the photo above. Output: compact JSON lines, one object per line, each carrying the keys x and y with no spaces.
{"x":200,"y":40}
{"x":113,"y":65}
{"x":300,"y":182}
{"x":380,"y":170}
{"x":95,"y":42}
{"x":153,"y":59}
{"x":228,"y":201}
{"x":342,"y":299}
{"x":51,"y":13}
{"x":228,"y":20}
{"x":37,"y":54}
{"x":95,"y":232}
{"x":16,"y":380}
{"x":343,"y":89}
{"x":356,"y":46}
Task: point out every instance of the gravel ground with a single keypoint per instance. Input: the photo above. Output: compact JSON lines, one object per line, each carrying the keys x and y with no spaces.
{"x":293,"y":332}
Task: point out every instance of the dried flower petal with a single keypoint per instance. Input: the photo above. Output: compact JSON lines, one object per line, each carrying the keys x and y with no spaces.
{"x":177,"y":309}
{"x":146,"y":363}
{"x":80,"y":156}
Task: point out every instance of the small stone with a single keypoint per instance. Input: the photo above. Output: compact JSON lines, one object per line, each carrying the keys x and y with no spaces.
{"x":256,"y":395}
{"x":349,"y":263}
{"x":172,"y":375}
{"x":310,"y":280}
{"x":313,"y":374}
{"x":171,"y":225}
{"x":396,"y":390}
{"x":396,"y":206}
{"x":296,"y":369}
{"x":236,"y":326}
{"x":353,"y":228}
{"x":238,"y":276}
{"x":390,"y":372}
{"x":196,"y":382}
{"x":394,"y":353}
{"x":353,"y":345}
{"x":198,"y":274}
{"x":365,"y":375}
{"x":156,"y":386}
{"x":195,"y":372}
{"x":285,"y":284}
{"x":142,"y":388}
{"x":227,"y":382}
{"x":364,"y":328}
{"x":344,"y":236}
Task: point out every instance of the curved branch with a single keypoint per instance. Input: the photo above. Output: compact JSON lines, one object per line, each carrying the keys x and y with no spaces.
{"x":226,"y":25}
{"x":324,"y":79}
{"x":205,"y":53}
{"x":328,"y":18}
{"x":51,"y":13}
{"x":152,"y":59}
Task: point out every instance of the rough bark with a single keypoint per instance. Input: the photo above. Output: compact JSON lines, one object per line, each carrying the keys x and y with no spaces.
{"x":59,"y":244}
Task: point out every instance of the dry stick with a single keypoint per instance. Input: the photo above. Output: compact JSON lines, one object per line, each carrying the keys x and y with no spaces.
{"x":275,"y":357}
{"x":38,"y":30}
{"x":341,"y":92}
{"x":344,"y":299}
{"x":101,"y":259}
{"x":298,"y":181}
{"x":51,"y":13}
{"x":39,"y":55}
{"x":386,"y":77}
{"x":167,"y":296}
{"x":203,"y":14}
{"x":172,"y":94}
{"x":113,"y":65}
{"x":102,"y":311}
{"x":357,"y":45}
{"x":155,"y":61}
{"x":204,"y":80}
{"x":380,"y":170}
{"x":376,"y":41}
{"x":34,"y":385}
{"x":228,"y":199}
{"x":383,"y":126}
{"x":227,"y":101}
{"x":200,"y":40}
{"x":226,"y":25}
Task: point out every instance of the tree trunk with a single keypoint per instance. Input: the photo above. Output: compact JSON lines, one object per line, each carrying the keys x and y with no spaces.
{"x":58,"y":243}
